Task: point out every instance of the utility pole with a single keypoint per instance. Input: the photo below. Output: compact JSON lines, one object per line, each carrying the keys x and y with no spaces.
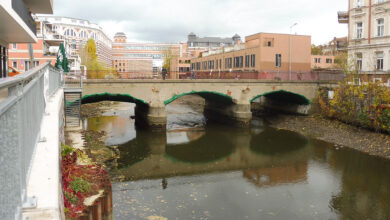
{"x":289,"y":69}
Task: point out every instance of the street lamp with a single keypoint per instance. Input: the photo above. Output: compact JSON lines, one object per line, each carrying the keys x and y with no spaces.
{"x":289,"y":69}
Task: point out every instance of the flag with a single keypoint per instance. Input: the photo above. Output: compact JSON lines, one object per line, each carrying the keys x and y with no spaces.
{"x":62,"y":62}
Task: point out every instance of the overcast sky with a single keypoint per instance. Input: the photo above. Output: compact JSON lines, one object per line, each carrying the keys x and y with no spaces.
{"x":172,"y":20}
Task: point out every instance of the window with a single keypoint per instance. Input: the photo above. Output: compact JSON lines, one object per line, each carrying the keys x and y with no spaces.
{"x":359,"y":30}
{"x":247,"y":60}
{"x":36,"y":63}
{"x":359,"y":3}
{"x":83,"y":34}
{"x":269,"y":44}
{"x":15,"y":64}
{"x":27,"y":65}
{"x":236,"y":62}
{"x":380,"y":1}
{"x":253,"y":60}
{"x":14,"y":46}
{"x":230,"y":62}
{"x":380,"y":27}
{"x":3,"y":62}
{"x":329,"y":60}
{"x":70,"y":32}
{"x":278,"y":60}
{"x":379,"y":61}
{"x":359,"y":61}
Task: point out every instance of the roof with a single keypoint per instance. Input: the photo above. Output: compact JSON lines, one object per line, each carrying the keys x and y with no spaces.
{"x":212,"y":40}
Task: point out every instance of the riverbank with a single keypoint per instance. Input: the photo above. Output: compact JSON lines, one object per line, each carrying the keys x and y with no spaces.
{"x":338,"y":133}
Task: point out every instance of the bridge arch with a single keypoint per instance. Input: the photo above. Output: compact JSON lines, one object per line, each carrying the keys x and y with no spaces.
{"x":93,"y":98}
{"x":207,"y":95}
{"x":284,"y":96}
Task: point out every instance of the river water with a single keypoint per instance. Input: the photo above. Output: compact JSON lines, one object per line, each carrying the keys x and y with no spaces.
{"x":194,"y":171}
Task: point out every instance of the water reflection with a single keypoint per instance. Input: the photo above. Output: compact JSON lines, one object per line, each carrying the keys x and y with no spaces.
{"x":273,"y":176}
{"x":260,"y":173}
{"x":275,"y":142}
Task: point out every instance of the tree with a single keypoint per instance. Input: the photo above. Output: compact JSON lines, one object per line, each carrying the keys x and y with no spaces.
{"x":316,"y":50}
{"x":168,"y":55}
{"x":96,"y":68}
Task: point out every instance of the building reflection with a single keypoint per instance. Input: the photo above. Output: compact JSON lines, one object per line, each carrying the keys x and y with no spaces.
{"x":273,"y":176}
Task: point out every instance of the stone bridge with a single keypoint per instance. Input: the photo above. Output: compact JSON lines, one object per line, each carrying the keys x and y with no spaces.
{"x":227,"y":101}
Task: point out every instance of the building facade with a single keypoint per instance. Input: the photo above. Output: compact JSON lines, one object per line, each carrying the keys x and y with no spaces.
{"x":76,"y":33}
{"x":18,"y":26}
{"x":262,"y":52}
{"x":44,"y":50}
{"x":323,"y":62}
{"x":140,"y":59}
{"x":368,"y":36}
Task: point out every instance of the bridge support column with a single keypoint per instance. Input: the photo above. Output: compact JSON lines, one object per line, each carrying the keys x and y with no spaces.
{"x":151,"y":117}
{"x":238,"y":115}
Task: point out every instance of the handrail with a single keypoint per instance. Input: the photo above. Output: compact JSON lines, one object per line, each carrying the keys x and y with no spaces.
{"x":11,"y":81}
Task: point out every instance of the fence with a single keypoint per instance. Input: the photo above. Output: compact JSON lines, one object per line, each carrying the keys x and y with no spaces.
{"x":283,"y":76}
{"x":22,"y":108}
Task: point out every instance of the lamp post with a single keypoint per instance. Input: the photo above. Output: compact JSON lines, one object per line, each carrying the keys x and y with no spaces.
{"x":289,"y":69}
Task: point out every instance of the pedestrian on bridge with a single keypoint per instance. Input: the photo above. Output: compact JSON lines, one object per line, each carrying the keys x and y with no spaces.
{"x":164,"y":73}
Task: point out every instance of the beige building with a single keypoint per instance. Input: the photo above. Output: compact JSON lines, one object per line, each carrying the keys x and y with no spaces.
{"x":368,"y":36}
{"x":262,"y":52}
{"x":134,"y":59}
{"x":322,"y":62}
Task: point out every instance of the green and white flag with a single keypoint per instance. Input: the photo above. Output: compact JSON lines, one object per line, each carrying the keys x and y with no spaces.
{"x":62,"y":62}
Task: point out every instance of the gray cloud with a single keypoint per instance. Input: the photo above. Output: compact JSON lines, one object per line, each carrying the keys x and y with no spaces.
{"x":172,"y":20}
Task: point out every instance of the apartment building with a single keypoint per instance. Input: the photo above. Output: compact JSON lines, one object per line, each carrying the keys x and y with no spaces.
{"x":76,"y":32}
{"x":18,"y":26}
{"x":140,"y":58}
{"x":44,"y":50}
{"x":262,"y":52}
{"x":368,"y":36}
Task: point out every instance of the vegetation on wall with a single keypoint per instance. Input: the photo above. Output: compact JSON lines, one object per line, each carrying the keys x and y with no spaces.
{"x":366,"y":105}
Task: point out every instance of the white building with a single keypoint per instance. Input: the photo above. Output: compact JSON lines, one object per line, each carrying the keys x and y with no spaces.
{"x":76,"y":33}
{"x":368,"y":35}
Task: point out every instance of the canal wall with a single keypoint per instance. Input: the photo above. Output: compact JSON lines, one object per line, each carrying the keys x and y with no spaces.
{"x":45,"y":178}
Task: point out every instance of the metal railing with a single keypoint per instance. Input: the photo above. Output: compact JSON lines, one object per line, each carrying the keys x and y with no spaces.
{"x":320,"y":75}
{"x":21,"y":111}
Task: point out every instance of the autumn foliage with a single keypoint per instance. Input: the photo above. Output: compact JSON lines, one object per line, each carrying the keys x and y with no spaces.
{"x":366,"y":105}
{"x":80,"y":182}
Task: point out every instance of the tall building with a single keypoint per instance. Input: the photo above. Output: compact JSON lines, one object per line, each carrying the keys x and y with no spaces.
{"x":44,"y":50}
{"x":368,"y":36}
{"x":211,"y":42}
{"x":134,"y":59}
{"x":76,"y":33}
{"x":18,"y":26}
{"x":262,"y":52}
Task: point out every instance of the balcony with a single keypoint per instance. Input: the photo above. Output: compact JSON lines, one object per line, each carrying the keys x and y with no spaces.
{"x":343,"y":17}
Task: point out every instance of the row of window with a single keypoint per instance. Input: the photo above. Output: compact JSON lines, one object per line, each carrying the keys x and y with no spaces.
{"x":380,"y":28}
{"x":319,"y":60}
{"x":236,"y":62}
{"x":360,"y":3}
{"x":82,"y":34}
{"x":378,"y":65}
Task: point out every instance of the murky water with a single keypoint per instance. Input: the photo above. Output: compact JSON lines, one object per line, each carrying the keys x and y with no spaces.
{"x":220,"y":172}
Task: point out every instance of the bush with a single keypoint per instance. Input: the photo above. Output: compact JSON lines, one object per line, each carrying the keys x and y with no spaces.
{"x":367,"y":105}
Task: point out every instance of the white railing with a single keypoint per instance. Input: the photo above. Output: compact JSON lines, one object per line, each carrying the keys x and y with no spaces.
{"x":24,"y":98}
